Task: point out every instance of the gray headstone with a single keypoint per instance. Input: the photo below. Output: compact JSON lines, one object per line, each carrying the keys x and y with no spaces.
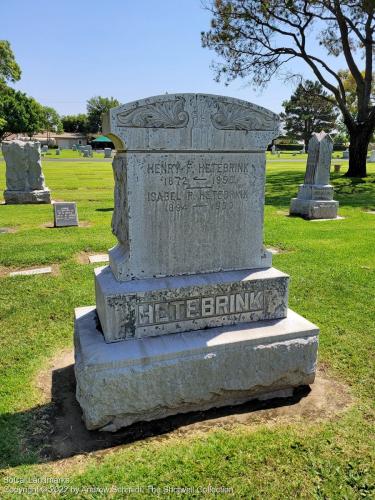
{"x":65,"y":214}
{"x":190,"y":288}
{"x":57,"y":151}
{"x":107,"y":152}
{"x":24,"y":176}
{"x":315,"y":196}
{"x":345,"y":154}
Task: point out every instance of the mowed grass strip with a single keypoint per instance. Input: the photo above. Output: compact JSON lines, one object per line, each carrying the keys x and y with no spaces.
{"x":332,"y":267}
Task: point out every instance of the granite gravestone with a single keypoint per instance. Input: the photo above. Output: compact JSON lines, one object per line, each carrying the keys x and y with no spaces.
{"x":107,"y":153}
{"x":190,"y":314}
{"x":372,"y":157}
{"x":24,"y":176}
{"x":315,"y":195}
{"x":65,"y":214}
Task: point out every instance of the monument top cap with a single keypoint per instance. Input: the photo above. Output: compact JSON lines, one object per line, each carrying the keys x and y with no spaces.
{"x":191,"y":122}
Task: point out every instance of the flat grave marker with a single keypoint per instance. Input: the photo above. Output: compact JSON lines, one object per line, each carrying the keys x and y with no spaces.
{"x":65,"y":214}
{"x":28,"y":272}
{"x":94,"y":259}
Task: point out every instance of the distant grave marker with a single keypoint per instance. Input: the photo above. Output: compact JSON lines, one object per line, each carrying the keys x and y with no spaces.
{"x":65,"y":214}
{"x":315,"y":195}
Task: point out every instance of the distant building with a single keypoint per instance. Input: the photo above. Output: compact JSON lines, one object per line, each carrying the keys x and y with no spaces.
{"x":64,"y":140}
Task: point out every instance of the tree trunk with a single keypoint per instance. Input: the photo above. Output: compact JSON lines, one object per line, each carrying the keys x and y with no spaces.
{"x":359,"y":136}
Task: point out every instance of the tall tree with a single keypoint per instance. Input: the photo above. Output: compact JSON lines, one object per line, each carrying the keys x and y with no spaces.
{"x":9,"y":69}
{"x":308,"y":111}
{"x":256,"y":38}
{"x":19,"y":113}
{"x":75,"y":123}
{"x":96,"y":106}
{"x":52,"y":121}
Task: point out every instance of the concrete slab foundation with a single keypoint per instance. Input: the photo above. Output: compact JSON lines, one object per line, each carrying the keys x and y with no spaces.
{"x":153,"y":377}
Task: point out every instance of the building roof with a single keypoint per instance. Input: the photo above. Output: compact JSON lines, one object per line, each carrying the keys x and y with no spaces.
{"x":64,"y":135}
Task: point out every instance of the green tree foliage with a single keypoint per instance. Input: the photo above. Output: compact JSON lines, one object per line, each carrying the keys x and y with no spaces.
{"x":309,"y":110}
{"x":52,"y":120}
{"x":9,"y":69}
{"x":96,"y":106}
{"x":75,"y":123}
{"x":257,"y":38}
{"x":19,"y":113}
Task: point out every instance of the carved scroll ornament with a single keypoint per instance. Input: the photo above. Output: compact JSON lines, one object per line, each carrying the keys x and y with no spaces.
{"x":165,"y":114}
{"x":231,"y":116}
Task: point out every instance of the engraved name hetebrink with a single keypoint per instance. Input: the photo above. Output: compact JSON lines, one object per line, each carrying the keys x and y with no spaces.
{"x":153,"y":313}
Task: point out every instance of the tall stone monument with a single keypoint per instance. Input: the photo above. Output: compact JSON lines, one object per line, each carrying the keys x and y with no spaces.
{"x":190,"y":314}
{"x":315,"y":195}
{"x":24,"y":176}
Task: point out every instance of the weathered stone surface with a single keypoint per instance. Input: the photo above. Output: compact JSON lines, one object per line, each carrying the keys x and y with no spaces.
{"x":150,"y":378}
{"x":65,"y":214}
{"x":191,"y":179}
{"x":319,"y":159}
{"x":27,"y":197}
{"x":107,"y":153}
{"x":158,"y":306}
{"x":314,"y":209}
{"x":315,"y":196}
{"x":24,"y":177}
{"x":184,"y":215}
{"x":190,"y":286}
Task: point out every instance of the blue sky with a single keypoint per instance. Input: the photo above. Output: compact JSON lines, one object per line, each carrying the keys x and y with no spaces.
{"x":71,"y":50}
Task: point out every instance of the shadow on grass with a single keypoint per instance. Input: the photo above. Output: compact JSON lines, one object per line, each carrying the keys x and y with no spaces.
{"x":349,"y":191}
{"x":56,"y":430}
{"x":104,"y":209}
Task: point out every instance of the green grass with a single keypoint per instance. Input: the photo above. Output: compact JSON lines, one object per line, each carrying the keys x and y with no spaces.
{"x":332,"y":266}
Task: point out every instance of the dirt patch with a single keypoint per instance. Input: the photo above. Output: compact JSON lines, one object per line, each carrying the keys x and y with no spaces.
{"x":57,"y":430}
{"x":7,"y":230}
{"x":277,"y":250}
{"x":84,"y":258}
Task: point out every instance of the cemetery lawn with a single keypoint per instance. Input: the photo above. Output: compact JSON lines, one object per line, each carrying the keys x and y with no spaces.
{"x":332,"y":268}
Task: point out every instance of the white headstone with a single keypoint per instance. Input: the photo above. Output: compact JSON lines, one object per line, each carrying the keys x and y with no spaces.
{"x":24,"y":176}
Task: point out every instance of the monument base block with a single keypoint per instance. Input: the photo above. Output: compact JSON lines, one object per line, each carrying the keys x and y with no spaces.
{"x":27,"y":197}
{"x":157,"y":306}
{"x":154,"y":377}
{"x":314,"y":209}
